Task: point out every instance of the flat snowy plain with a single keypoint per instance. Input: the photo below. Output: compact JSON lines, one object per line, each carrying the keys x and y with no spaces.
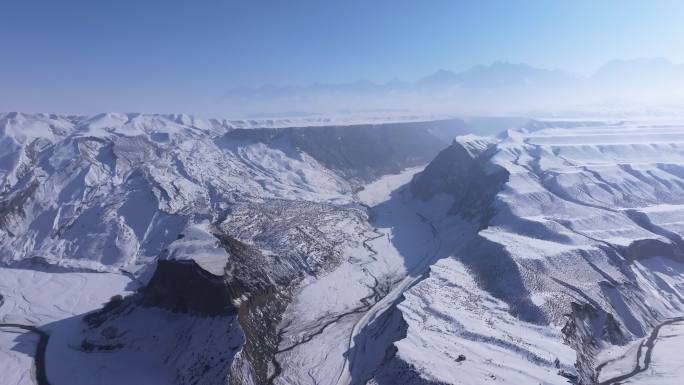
{"x":667,"y":363}
{"x":41,"y":297}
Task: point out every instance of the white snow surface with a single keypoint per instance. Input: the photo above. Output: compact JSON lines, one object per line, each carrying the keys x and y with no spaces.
{"x":463,"y":319}
{"x":111,"y":193}
{"x":667,"y":365}
{"x":41,"y":296}
{"x":115,"y":190}
{"x":159,"y":347}
{"x":398,"y":251}
{"x":571,"y":223}
{"x":592,"y":214}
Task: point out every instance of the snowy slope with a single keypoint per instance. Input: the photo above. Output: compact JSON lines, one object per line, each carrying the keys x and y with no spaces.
{"x":581,"y":250}
{"x":265,"y":210}
{"x":112,"y":190}
{"x":41,"y":295}
{"x":107,"y":191}
{"x":260,"y":253}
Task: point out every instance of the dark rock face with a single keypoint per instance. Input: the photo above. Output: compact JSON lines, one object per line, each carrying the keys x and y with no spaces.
{"x":265,"y":300}
{"x":288,"y":232}
{"x":645,"y":248}
{"x":459,"y":172}
{"x":584,"y":326}
{"x":183,"y":286}
{"x":246,"y":268}
{"x":451,"y":171}
{"x":12,"y":206}
{"x":259,"y":319}
{"x":362,"y":152}
{"x":116,"y":307}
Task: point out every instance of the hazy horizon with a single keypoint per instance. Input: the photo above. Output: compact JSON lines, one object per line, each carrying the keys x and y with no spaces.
{"x":446,"y":92}
{"x":307,"y":57}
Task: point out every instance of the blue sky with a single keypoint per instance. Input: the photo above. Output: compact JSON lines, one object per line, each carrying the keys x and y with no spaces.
{"x":75,"y":54}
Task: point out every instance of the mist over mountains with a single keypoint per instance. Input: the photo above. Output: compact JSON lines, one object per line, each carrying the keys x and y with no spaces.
{"x":638,"y":86}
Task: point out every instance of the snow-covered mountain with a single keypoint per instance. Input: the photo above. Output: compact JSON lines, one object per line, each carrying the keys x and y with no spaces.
{"x":578,"y":257}
{"x":176,"y":250}
{"x":112,"y":190}
{"x":106,"y":196}
{"x":639,"y":87}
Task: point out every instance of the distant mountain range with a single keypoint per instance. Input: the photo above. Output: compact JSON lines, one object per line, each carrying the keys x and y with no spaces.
{"x":497,"y":88}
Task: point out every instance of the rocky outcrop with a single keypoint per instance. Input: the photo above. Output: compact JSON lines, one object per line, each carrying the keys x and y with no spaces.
{"x":461,"y":171}
{"x":12,"y":207}
{"x":184,"y":287}
{"x":262,"y":298}
{"x":585,"y":327}
{"x":184,"y":312}
{"x":646,"y":248}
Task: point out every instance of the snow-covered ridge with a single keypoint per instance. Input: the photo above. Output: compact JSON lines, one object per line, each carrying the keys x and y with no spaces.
{"x":111,"y":190}
{"x":259,"y":211}
{"x":24,"y":127}
{"x":40,"y":125}
{"x":555,"y":244}
{"x":582,"y":250}
{"x":474,"y":144}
